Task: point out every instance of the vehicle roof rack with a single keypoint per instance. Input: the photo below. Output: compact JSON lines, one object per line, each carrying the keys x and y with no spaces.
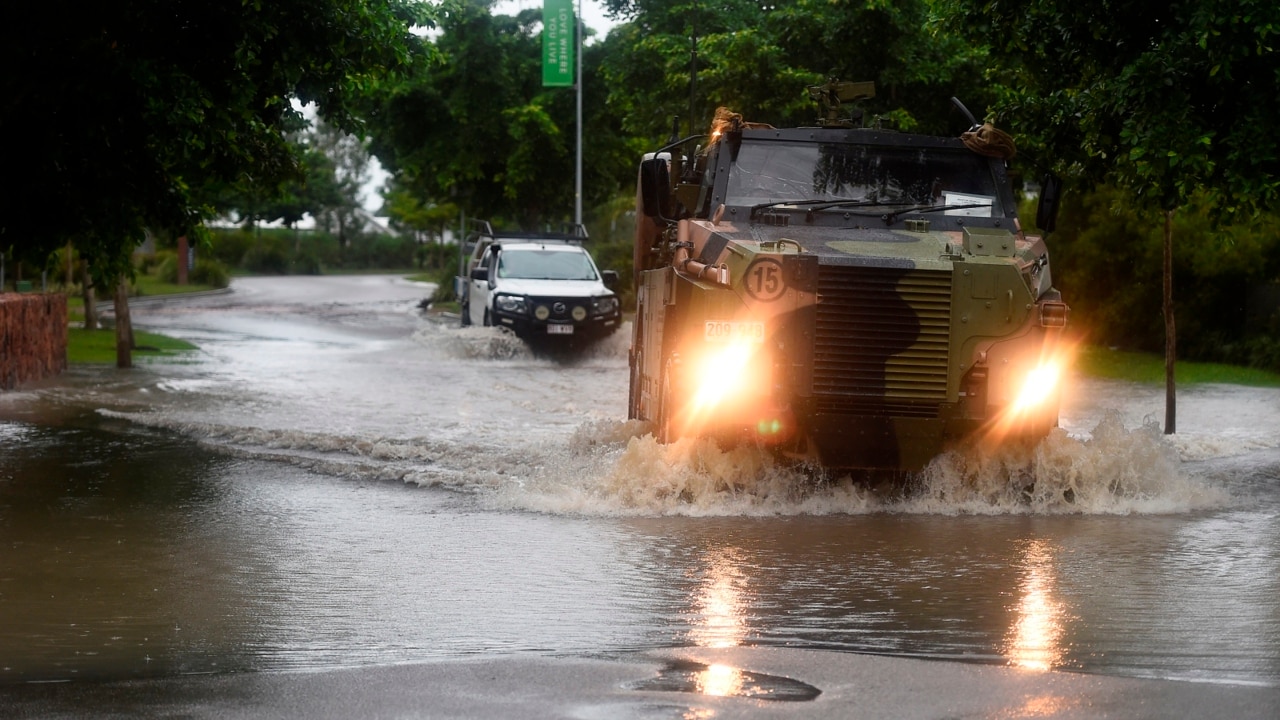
{"x":566,"y":232}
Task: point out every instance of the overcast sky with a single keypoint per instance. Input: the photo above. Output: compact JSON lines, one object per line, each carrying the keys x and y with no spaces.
{"x":592,"y":12}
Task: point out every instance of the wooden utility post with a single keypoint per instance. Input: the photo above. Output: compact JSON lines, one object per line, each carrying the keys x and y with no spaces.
{"x":124,"y":325}
{"x":1170,"y":335}
{"x":184,"y":254}
{"x":90,"y":304}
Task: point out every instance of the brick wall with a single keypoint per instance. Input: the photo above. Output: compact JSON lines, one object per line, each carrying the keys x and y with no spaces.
{"x":33,"y":337}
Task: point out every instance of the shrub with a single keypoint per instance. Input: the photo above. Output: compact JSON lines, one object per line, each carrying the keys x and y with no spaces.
{"x":229,"y":246}
{"x":209,"y":271}
{"x":443,"y":278}
{"x":265,"y":259}
{"x":164,"y":265}
{"x":304,"y":263}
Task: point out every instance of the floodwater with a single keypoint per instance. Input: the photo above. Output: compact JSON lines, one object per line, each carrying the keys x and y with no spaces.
{"x":335,"y":480}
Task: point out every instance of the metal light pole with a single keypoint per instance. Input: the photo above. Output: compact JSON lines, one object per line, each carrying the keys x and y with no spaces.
{"x":577,"y":177}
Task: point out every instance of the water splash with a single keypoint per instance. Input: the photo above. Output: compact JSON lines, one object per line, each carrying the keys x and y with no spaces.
{"x":496,"y":343}
{"x":471,"y":343}
{"x":620,"y":469}
{"x":1114,"y":471}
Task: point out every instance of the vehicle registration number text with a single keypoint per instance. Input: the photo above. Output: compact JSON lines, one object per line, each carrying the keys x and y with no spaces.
{"x":731,"y":331}
{"x":559,"y":329}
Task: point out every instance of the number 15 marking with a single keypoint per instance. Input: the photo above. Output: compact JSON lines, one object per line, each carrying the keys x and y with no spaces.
{"x":764,"y":280}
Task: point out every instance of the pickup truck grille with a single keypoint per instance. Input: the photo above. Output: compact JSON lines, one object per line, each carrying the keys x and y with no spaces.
{"x":881,"y":341}
{"x":560,"y":308}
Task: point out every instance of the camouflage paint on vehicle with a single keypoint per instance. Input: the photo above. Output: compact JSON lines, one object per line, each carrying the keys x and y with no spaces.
{"x":855,"y":297}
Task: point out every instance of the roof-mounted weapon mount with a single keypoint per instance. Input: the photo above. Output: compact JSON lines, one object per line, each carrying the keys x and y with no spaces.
{"x":832,"y":94}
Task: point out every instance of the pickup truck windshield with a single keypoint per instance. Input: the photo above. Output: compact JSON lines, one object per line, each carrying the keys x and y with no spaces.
{"x":775,"y":172}
{"x":545,"y":265}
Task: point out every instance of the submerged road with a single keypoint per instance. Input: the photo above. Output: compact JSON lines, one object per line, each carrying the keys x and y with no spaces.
{"x":679,"y":685}
{"x":340,"y":508}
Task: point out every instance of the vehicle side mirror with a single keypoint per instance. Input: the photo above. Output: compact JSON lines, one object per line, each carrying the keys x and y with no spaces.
{"x":1047,"y":208}
{"x":655,"y":188}
{"x":480,"y":273}
{"x":610,"y":279}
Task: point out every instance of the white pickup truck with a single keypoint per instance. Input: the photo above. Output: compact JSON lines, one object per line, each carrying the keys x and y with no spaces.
{"x":538,"y":286}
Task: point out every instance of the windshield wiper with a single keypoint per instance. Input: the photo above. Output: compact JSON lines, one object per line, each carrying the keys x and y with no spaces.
{"x":891,"y":218}
{"x":815,"y":205}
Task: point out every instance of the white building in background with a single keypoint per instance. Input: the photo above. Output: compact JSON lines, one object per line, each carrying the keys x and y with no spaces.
{"x":371,"y":224}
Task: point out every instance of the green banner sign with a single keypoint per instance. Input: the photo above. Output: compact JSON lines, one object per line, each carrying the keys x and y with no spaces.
{"x":558,"y":43}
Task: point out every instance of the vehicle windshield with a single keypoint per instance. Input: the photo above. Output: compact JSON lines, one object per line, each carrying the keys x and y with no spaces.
{"x":776,"y":172}
{"x":545,"y":265}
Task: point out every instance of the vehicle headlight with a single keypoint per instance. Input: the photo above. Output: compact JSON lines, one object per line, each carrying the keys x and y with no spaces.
{"x":722,"y":373}
{"x":605,"y":305}
{"x":1039,"y":386}
{"x":514,"y":304}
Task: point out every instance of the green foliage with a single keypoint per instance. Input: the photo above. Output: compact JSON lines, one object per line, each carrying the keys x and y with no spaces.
{"x":296,"y":252}
{"x":410,"y":213}
{"x":756,"y":59}
{"x":209,"y":271}
{"x":1169,"y":101}
{"x":267,"y":258}
{"x":443,"y":278}
{"x":229,"y":246}
{"x":1149,"y":368}
{"x":480,"y":133}
{"x":1107,"y":262}
{"x":130,"y":114}
{"x":434,"y":255}
{"x":157,"y":274}
{"x":99,"y":346}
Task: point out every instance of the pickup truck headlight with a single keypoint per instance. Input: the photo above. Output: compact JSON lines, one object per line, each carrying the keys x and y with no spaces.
{"x":514,"y":304}
{"x":605,"y":305}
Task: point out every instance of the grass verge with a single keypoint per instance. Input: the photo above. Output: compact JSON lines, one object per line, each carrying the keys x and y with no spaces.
{"x":148,"y":285}
{"x":1149,"y":368}
{"x":86,"y":347}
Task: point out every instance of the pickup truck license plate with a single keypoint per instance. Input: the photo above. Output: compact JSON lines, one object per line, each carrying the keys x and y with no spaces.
{"x":558,"y":329}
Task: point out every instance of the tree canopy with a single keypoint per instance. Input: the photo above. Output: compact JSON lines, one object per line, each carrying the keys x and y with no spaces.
{"x":130,"y":114}
{"x":480,"y":131}
{"x":1163,"y":99}
{"x":757,"y":57}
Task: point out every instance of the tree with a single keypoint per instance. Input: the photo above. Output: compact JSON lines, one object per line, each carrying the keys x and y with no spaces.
{"x":757,"y":57}
{"x":479,"y":131}
{"x":335,"y":194}
{"x":130,"y":114}
{"x":1165,"y":101}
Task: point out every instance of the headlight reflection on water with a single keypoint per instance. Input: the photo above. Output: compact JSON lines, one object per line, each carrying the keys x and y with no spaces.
{"x":720,"y":605}
{"x":720,"y":681}
{"x":720,"y":623}
{"x":1035,"y":640}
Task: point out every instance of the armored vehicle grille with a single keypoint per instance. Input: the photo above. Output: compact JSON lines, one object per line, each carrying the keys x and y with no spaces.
{"x":881,"y":340}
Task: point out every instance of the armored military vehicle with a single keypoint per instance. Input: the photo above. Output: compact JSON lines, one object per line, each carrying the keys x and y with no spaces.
{"x":850,"y":296}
